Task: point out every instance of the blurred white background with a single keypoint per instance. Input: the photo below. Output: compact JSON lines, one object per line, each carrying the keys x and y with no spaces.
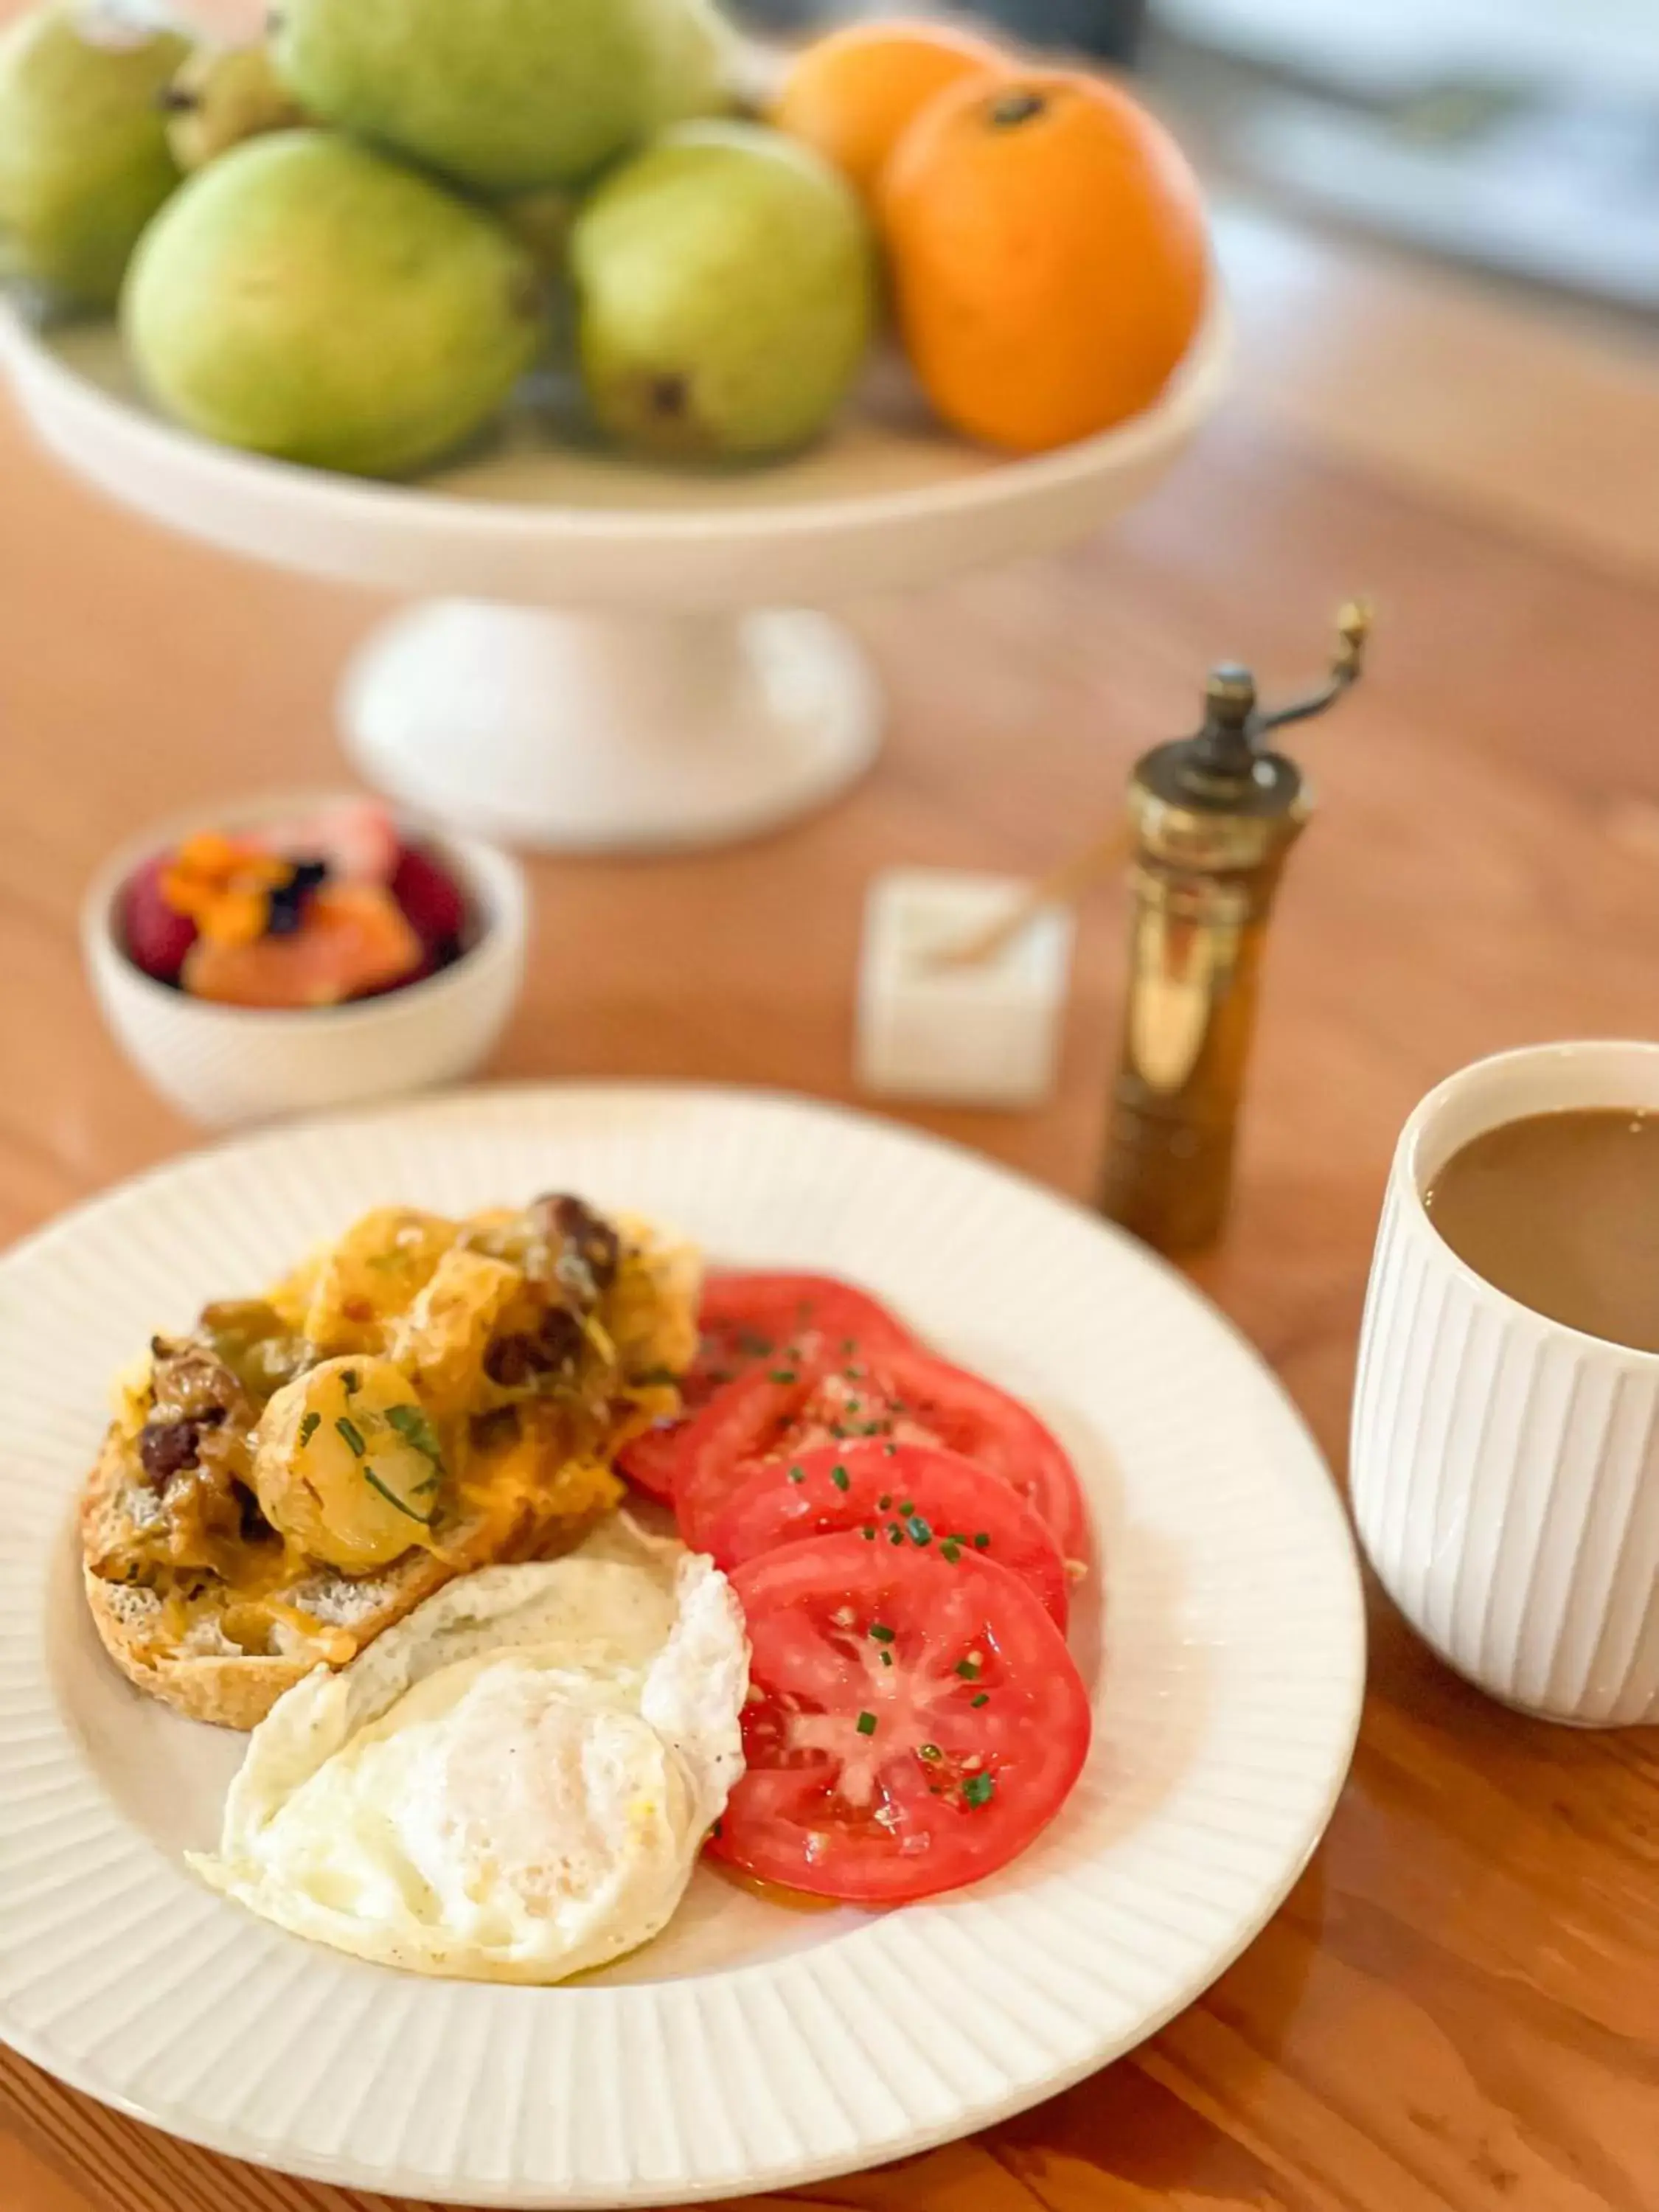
{"x":1519,"y":134}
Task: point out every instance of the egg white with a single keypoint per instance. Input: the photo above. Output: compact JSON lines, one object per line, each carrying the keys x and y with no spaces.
{"x":512,"y":1784}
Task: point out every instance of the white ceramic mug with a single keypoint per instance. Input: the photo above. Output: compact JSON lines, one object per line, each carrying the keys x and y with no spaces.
{"x":1505,"y":1469}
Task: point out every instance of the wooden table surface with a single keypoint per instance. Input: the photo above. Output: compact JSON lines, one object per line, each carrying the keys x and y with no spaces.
{"x":1459,"y":2006}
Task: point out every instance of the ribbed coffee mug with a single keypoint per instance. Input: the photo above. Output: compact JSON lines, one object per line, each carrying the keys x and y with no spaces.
{"x":1505,"y":1467}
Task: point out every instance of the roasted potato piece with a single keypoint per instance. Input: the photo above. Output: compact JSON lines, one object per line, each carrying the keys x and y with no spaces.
{"x":373,"y":1275}
{"x":348,"y":1465}
{"x":440,"y":1342}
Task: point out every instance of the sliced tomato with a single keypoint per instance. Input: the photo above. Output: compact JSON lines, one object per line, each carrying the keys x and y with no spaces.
{"x":651,"y":1459}
{"x":743,"y":1423}
{"x":913,"y":1721}
{"x":900,"y":1494}
{"x":902,"y":1394}
{"x":745,"y":1318}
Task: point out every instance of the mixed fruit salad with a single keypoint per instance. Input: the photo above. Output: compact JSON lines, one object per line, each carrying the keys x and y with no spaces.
{"x":346,"y":246}
{"x":301,"y":912}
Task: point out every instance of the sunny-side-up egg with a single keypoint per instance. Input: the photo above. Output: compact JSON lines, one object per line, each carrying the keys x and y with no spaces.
{"x":512,"y":1784}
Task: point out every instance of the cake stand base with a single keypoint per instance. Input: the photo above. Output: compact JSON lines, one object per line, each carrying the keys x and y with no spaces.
{"x":593,"y":733}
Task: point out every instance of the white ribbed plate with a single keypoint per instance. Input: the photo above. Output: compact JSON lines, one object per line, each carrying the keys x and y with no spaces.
{"x":749,"y":2047}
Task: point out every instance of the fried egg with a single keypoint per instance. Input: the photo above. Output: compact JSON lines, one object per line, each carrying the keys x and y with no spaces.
{"x":512,"y":1784}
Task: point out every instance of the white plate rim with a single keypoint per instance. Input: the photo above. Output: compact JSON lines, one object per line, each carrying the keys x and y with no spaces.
{"x":1344,"y":1662}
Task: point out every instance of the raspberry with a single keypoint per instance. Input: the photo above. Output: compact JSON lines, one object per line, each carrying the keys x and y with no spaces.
{"x":430,"y":897}
{"x":156,"y":938}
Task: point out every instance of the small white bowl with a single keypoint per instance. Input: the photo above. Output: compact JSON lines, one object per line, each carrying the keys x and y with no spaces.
{"x":225,"y":1066}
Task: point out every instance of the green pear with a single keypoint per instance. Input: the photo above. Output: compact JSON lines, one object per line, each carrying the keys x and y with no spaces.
{"x":503,"y":96}
{"x":725,"y":293}
{"x":697,"y":65}
{"x":304,"y":297}
{"x":223,"y":95}
{"x":83,"y":151}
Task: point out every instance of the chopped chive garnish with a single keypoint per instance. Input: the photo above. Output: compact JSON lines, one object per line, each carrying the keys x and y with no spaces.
{"x":840,"y":1478}
{"x":983,"y":1698}
{"x":393,"y":1499}
{"x":929,"y":1751}
{"x":412,"y":1425}
{"x":883,"y":1501}
{"x":906,"y":1506}
{"x":968,"y":1669}
{"x":798,"y":1474}
{"x":352,"y":1433}
{"x":867,"y":1723}
{"x":349,"y":1380}
{"x":982,"y":1541}
{"x":868,"y":1534}
{"x":950,"y":1551}
{"x":886,"y":1658}
{"x":880,"y":1632}
{"x":781,"y":1375}
{"x":896,"y":1535}
{"x":919,"y":1531}
{"x":892,"y":1450}
{"x":309,"y":1426}
{"x":979,"y":1789}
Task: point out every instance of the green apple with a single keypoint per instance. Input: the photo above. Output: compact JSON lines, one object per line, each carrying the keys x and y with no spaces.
{"x":725,"y":292}
{"x":503,"y":96}
{"x":306,"y":297}
{"x":83,"y":150}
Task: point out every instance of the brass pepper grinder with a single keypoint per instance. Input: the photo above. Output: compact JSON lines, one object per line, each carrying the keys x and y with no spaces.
{"x":1211,"y":819}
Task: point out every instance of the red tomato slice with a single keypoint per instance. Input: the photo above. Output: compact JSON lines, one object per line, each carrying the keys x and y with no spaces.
{"x":902,"y":1493}
{"x":744,"y":1319}
{"x":747,"y":1316}
{"x":878,"y":1782}
{"x":904,"y":1394}
{"x":741,"y":1424}
{"x":650,"y":1460}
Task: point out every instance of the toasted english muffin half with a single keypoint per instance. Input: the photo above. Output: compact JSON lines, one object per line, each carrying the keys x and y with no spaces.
{"x":195,"y":1580}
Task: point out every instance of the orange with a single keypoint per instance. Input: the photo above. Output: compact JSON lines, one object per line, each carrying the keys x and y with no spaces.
{"x":851,"y":96}
{"x":1049,"y":255}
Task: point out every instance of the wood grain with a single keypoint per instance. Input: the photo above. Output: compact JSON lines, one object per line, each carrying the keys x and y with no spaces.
{"x":1459,"y":2007}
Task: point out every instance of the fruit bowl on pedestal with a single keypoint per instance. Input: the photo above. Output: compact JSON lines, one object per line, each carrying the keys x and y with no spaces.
{"x":606,"y":656}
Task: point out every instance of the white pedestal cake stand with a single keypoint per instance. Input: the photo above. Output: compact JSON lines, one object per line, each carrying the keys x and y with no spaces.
{"x":668,"y":702}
